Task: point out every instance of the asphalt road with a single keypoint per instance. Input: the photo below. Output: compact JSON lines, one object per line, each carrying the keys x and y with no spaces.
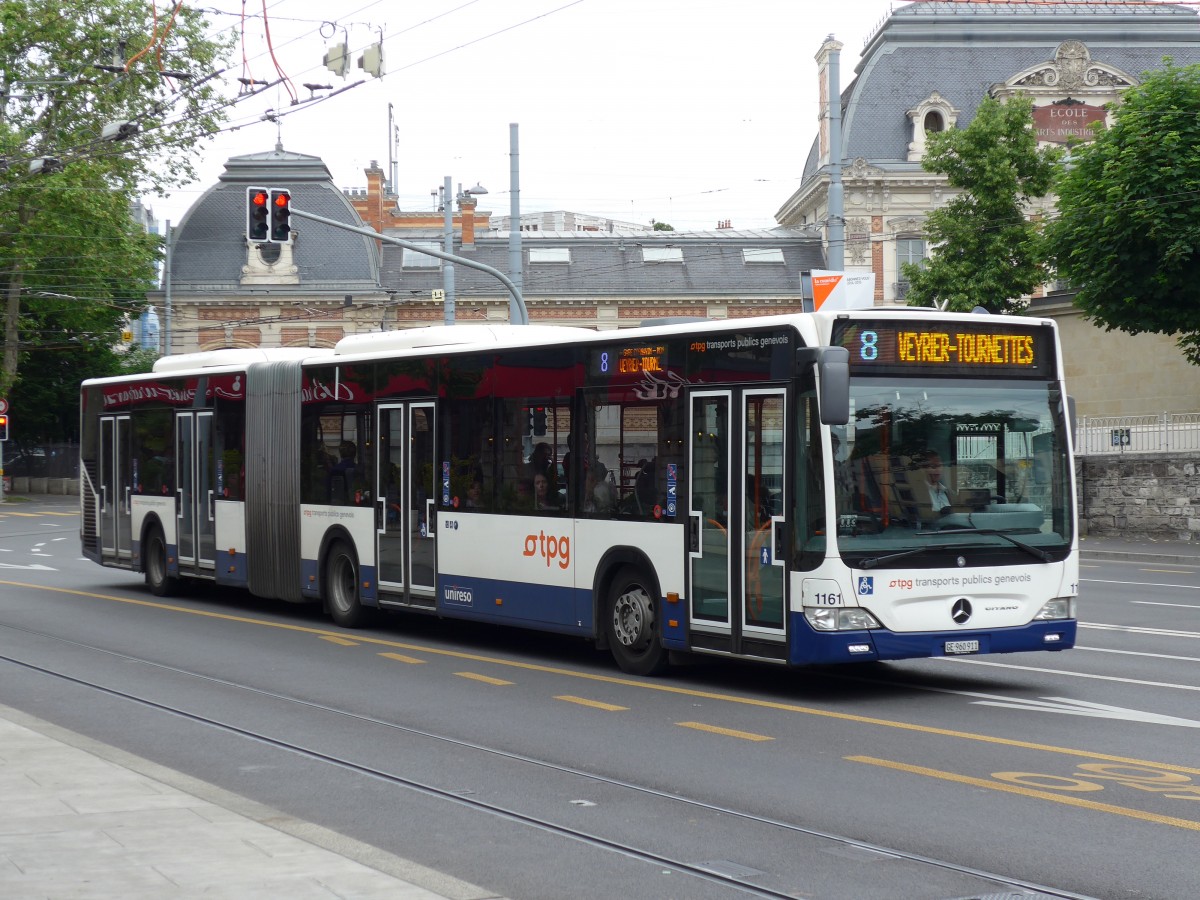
{"x":529,"y":764}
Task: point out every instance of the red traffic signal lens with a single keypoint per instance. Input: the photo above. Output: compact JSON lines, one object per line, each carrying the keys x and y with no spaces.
{"x":282,"y":199}
{"x":259,"y":198}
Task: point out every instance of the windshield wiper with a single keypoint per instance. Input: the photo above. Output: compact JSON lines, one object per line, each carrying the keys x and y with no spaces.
{"x":1028,"y":548}
{"x":874,"y":561}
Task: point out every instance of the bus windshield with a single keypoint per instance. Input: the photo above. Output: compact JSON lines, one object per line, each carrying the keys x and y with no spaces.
{"x":951,"y":464}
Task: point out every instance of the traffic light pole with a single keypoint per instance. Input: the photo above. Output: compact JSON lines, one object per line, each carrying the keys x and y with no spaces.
{"x":523,"y":313}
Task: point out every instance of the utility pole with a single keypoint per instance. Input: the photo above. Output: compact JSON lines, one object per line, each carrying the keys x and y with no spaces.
{"x":448,"y":268}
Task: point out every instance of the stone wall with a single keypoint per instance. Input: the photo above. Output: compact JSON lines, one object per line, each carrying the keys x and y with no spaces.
{"x":1143,"y":495}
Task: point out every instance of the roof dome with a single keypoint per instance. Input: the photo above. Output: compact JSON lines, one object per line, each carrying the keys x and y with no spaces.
{"x":209,"y":247}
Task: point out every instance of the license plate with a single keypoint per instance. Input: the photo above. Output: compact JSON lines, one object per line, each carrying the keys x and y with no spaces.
{"x":962,"y":647}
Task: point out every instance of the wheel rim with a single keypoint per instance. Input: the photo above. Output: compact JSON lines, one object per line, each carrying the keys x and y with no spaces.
{"x":633,"y":618}
{"x":342,"y":583}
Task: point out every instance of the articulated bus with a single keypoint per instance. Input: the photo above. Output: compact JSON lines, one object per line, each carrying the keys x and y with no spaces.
{"x":803,"y":489}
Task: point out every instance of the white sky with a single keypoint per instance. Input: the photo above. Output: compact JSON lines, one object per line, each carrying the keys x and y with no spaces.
{"x":684,"y":111}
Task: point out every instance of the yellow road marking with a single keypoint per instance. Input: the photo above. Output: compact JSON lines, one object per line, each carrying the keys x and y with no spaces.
{"x":645,"y":685}
{"x":29,"y":515}
{"x":411,"y":660}
{"x":594,"y":704}
{"x":340,"y":641}
{"x":1030,"y":792}
{"x":475,"y":676}
{"x":728,"y":732}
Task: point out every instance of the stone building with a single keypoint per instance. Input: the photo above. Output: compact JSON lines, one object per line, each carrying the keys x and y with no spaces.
{"x":926,"y":69}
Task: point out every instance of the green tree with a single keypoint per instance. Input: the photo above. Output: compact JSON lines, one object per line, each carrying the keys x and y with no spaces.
{"x":661,"y":226}
{"x":73,"y":264}
{"x":1127,"y":235}
{"x":986,"y":250}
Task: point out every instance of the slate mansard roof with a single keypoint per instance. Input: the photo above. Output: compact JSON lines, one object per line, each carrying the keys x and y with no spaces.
{"x":208,"y":254}
{"x":960,"y":50}
{"x":750,"y":263}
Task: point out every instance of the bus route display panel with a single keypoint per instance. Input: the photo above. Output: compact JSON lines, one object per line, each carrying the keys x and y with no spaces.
{"x":928,"y":347}
{"x":630,"y":361}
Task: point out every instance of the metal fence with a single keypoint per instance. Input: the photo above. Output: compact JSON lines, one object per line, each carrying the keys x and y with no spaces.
{"x":1161,"y":433}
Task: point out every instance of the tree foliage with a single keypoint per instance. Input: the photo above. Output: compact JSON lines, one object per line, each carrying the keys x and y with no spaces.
{"x":1127,"y":236}
{"x":986,"y":250}
{"x":73,"y":264}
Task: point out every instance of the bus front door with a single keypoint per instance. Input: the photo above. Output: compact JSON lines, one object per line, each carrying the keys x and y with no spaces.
{"x":195,"y":487}
{"x":405,"y":482}
{"x":736,"y":565}
{"x":116,"y":481}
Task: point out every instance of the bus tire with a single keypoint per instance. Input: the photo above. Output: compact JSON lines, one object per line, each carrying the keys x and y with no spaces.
{"x":341,"y":587}
{"x":161,"y":584}
{"x":631,"y":624}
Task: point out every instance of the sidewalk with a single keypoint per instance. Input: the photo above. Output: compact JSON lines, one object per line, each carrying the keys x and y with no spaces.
{"x":82,"y":819}
{"x":1134,"y":549}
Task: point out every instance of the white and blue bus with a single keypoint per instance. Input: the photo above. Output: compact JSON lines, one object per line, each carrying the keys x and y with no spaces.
{"x":758,"y":489}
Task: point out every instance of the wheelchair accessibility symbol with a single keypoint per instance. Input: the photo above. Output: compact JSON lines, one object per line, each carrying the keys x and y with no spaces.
{"x":866,"y":585}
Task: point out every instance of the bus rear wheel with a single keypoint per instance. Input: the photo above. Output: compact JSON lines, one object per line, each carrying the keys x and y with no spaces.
{"x":161,"y":584}
{"x":631,"y":623}
{"x":341,"y":587}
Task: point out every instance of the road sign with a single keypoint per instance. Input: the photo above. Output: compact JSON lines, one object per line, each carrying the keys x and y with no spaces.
{"x":3,"y":405}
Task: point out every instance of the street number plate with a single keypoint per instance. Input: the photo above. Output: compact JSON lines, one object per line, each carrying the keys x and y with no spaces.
{"x":959,"y":647}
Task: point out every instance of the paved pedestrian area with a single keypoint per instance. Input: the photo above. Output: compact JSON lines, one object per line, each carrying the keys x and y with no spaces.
{"x":79,"y":819}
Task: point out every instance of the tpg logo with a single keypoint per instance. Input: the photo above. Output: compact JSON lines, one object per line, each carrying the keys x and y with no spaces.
{"x":549,"y":547}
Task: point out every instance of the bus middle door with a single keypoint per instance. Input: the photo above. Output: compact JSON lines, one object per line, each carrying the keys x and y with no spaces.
{"x":406,"y":548}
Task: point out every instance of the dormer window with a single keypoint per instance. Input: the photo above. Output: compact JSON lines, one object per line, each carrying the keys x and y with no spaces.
{"x":932,"y":115}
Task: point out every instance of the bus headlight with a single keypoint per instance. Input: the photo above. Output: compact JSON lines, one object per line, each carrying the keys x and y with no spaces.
{"x":841,"y":619}
{"x":1058,"y":608}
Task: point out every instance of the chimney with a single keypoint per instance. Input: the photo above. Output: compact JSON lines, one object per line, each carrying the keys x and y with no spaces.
{"x":374,"y":206}
{"x":466,"y":208}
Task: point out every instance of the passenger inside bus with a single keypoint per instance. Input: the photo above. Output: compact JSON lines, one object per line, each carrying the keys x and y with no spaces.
{"x":543,"y":497}
{"x":597,"y":493}
{"x":474,"y":498}
{"x":340,"y":480}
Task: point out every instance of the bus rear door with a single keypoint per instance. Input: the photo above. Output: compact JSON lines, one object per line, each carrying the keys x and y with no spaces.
{"x":737,"y":568}
{"x":195,"y":487}
{"x":405,"y":483}
{"x":116,"y":483}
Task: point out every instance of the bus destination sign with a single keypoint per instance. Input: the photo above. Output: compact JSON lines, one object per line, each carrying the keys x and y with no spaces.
{"x":953,"y":348}
{"x":610,"y":362}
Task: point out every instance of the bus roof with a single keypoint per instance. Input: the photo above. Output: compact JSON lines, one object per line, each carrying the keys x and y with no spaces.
{"x":234,"y":357}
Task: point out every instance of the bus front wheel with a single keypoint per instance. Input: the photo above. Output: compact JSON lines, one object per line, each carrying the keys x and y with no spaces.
{"x":631,"y":621}
{"x":341,"y":587}
{"x":161,"y":584}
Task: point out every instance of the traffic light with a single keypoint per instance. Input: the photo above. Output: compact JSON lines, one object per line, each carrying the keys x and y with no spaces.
{"x":3,"y":426}
{"x":258,"y":215}
{"x":281,"y":216}
{"x":537,"y":421}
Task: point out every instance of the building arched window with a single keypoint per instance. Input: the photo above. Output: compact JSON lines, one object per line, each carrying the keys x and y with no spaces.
{"x":932,"y":115}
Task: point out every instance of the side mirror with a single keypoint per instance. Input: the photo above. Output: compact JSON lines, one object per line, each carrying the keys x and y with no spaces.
{"x":833,"y":381}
